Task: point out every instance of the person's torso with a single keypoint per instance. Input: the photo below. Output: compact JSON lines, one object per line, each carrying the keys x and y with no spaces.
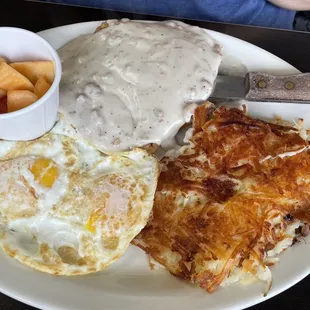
{"x":249,"y":12}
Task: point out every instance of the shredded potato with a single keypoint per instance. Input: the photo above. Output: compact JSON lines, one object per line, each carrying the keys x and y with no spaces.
{"x":240,"y":193}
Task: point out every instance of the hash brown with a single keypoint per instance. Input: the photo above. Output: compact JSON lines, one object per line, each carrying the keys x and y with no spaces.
{"x":235,"y":198}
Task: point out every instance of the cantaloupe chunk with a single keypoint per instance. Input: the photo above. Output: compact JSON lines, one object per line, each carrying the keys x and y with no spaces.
{"x":10,"y":79}
{"x":41,"y":87}
{"x":19,"y":99}
{"x":32,"y":70}
{"x":3,"y":105}
{"x":2,"y":93}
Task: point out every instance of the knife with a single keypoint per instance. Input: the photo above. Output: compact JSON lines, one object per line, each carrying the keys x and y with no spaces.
{"x":257,"y":86}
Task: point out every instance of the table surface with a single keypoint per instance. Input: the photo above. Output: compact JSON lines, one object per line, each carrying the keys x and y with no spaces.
{"x":292,"y":46}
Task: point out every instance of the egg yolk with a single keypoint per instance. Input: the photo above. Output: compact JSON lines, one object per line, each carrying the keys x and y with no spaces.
{"x":44,"y":171}
{"x":90,"y":225}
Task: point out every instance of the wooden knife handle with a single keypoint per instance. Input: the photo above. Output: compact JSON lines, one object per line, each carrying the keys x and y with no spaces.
{"x":290,"y":88}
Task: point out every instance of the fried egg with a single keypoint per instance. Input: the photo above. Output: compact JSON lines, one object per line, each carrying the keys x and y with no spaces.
{"x":68,"y":209}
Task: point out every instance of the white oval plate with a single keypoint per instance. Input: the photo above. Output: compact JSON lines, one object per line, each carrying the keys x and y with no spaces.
{"x":129,"y":283}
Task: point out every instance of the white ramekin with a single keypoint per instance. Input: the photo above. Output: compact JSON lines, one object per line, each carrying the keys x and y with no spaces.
{"x":35,"y":120}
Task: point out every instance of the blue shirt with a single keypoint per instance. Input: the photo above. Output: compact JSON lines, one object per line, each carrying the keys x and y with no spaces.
{"x":248,"y":12}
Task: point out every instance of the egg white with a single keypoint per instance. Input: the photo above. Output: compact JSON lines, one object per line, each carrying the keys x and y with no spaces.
{"x":87,"y":218}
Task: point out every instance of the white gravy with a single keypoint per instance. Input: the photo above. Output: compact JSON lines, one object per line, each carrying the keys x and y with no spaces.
{"x":134,"y":83}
